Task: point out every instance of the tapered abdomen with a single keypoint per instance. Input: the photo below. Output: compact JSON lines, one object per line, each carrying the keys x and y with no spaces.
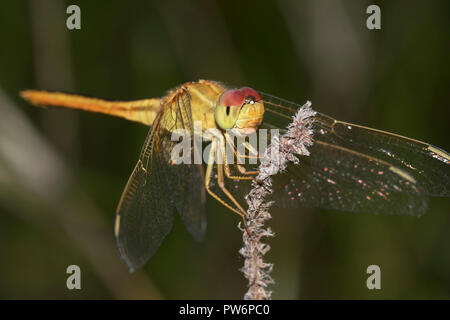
{"x":142,"y":111}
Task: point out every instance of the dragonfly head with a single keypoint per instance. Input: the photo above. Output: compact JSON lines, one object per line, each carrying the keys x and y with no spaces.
{"x":241,"y":109}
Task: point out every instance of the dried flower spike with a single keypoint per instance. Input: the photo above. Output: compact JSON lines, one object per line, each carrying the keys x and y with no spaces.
{"x":282,"y":150}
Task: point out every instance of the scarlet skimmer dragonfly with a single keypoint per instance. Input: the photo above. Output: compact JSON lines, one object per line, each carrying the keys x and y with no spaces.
{"x":350,"y":167}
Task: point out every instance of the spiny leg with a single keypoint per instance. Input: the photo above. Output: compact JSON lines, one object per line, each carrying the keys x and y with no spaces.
{"x":220,"y":178}
{"x":208,"y":176}
{"x":240,"y":167}
{"x":251,"y":150}
{"x":221,"y":182}
{"x":228,"y":173}
{"x":246,"y":145}
{"x":249,"y":175}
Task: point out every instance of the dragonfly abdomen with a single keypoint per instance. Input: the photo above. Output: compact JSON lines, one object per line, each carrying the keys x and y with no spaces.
{"x":142,"y":111}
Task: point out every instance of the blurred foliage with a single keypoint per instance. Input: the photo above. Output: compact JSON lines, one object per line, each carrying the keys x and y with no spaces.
{"x":394,"y":79}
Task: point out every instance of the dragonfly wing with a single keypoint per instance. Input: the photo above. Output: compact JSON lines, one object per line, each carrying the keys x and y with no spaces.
{"x":359,"y":169}
{"x":145,"y":212}
{"x":336,"y":178}
{"x":193,"y":209}
{"x":157,"y":186}
{"x":429,"y":165}
{"x":186,"y":180}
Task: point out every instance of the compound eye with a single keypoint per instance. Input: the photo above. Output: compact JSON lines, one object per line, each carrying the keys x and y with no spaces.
{"x":249,"y":92}
{"x":233,"y":98}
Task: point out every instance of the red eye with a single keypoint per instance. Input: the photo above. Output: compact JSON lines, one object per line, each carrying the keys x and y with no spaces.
{"x":249,"y":92}
{"x":232,"y":98}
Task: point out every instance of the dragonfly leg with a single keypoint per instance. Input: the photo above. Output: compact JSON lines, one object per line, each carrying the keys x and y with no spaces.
{"x":221,"y":182}
{"x":242,"y":170}
{"x":246,"y":145}
{"x":229,"y":175}
{"x":240,"y":211}
{"x":220,"y":179}
{"x":240,"y":167}
{"x":251,"y":150}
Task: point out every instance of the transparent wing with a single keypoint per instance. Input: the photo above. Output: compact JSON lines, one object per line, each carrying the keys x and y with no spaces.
{"x":336,"y":178}
{"x":428,"y":165}
{"x":145,"y":212}
{"x":186,"y":180}
{"x":156,"y":187}
{"x":357,"y":168}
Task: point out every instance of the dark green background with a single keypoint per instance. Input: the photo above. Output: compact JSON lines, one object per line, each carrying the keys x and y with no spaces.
{"x":394,"y":79}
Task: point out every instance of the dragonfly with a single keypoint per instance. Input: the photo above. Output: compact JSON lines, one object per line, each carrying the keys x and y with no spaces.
{"x":350,"y":167}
